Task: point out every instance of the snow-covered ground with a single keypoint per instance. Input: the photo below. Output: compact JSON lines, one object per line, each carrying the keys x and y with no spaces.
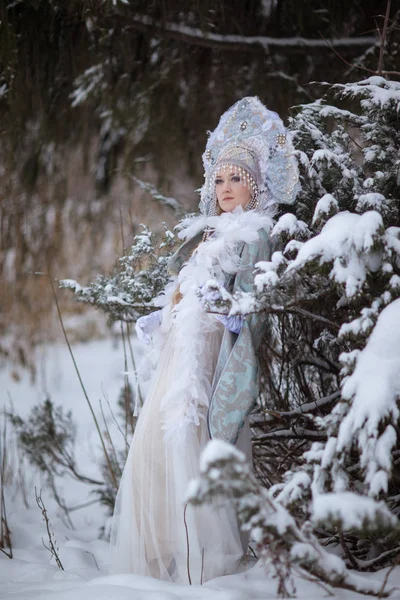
{"x":33,"y":574}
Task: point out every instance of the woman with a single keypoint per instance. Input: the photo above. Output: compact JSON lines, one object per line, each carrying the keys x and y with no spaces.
{"x":206,"y":380}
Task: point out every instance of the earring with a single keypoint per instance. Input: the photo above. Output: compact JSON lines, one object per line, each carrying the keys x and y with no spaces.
{"x":253,"y":204}
{"x":212,"y":213}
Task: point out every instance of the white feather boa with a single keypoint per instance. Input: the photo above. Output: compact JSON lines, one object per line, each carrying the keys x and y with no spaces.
{"x":188,"y":398}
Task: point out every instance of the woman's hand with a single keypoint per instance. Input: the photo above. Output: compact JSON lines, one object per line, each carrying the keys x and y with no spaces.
{"x":233,"y":324}
{"x":145,"y":326}
{"x":209,"y":296}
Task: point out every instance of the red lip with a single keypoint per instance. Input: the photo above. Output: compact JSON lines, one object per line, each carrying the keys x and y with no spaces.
{"x":227,"y":198}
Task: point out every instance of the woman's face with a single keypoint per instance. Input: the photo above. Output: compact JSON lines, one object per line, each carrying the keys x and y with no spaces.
{"x":231,"y":191}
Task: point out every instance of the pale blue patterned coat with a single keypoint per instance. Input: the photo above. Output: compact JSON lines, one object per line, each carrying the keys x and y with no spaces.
{"x":236,"y":380}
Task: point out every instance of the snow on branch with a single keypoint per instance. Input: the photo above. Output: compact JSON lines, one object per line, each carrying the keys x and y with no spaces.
{"x":242,"y":43}
{"x":161,"y":198}
{"x":302,"y":410}
{"x":137,"y":279}
{"x":347,"y":242}
{"x":348,"y":511}
{"x":374,"y":390}
{"x":282,"y":544}
{"x":339,"y":269}
{"x":376,"y":92}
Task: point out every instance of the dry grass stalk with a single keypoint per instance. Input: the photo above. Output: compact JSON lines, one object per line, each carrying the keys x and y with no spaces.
{"x":5,"y":533}
{"x":109,"y":464}
{"x":53,"y":548}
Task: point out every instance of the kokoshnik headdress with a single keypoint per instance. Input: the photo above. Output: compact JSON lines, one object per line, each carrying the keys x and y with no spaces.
{"x":253,"y":142}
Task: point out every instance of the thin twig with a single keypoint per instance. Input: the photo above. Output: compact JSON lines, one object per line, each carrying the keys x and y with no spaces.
{"x":383,"y":37}
{"x":127,"y":405}
{"x":122,"y":229}
{"x":202,"y":566}
{"x":187,"y":546}
{"x":347,"y":552}
{"x":294,"y":434}
{"x":159,"y":197}
{"x":5,"y":534}
{"x":308,"y":577}
{"x":60,"y":501}
{"x":84,"y":505}
{"x":114,"y":418}
{"x":94,"y":559}
{"x":6,"y":553}
{"x":386,"y":578}
{"x":301,"y":410}
{"x":279,"y":310}
{"x":310,"y":315}
{"x":52,"y":548}
{"x":138,"y":394}
{"x":365,"y":565}
{"x":109,"y":437}
{"x":253,"y":551}
{"x":353,"y":66}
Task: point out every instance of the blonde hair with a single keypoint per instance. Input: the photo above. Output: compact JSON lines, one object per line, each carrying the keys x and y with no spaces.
{"x":176,"y":296}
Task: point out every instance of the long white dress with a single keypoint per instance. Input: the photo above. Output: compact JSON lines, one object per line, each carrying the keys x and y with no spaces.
{"x":149,"y":535}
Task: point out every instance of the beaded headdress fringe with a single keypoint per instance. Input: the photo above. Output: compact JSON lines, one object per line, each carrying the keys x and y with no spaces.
{"x":253,"y":142}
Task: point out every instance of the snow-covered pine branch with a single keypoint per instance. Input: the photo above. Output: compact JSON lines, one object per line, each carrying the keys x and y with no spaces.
{"x":331,"y":295}
{"x":160,"y":197}
{"x":138,"y":277}
{"x":284,"y":547}
{"x":357,"y":253}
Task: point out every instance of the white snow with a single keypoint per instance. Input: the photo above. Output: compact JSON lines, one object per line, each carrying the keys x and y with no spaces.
{"x":86,"y":83}
{"x":377,"y":94}
{"x":370,"y":201}
{"x":267,"y":7}
{"x":32,"y":574}
{"x":289,"y":224}
{"x":294,"y":489}
{"x":293,"y":246}
{"x":351,"y":510}
{"x":326,"y":206}
{"x":347,"y":240}
{"x":219,"y":450}
{"x":374,"y":388}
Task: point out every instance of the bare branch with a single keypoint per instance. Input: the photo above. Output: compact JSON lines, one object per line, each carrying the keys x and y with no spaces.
{"x":157,"y":195}
{"x":5,"y":533}
{"x":346,"y":549}
{"x":293,"y":434}
{"x":53,"y":549}
{"x":187,"y":545}
{"x":239,"y":43}
{"x":383,"y":37}
{"x":365,"y":565}
{"x":361,"y":67}
{"x":301,"y":410}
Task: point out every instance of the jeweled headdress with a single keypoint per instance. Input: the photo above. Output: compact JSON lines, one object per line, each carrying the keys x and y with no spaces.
{"x":253,"y":141}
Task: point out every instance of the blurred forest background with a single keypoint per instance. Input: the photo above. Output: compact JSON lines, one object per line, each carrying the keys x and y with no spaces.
{"x":96,"y":93}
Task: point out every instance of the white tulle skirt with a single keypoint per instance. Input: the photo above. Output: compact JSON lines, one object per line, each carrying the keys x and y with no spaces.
{"x":149,"y":535}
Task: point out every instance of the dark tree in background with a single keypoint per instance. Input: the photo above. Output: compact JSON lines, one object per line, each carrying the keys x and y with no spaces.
{"x":154,"y":76}
{"x":95,"y":92}
{"x":104,"y":102}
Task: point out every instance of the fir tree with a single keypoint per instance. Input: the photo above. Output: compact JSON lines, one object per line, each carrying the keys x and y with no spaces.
{"x":330,"y":400}
{"x":325,"y":428}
